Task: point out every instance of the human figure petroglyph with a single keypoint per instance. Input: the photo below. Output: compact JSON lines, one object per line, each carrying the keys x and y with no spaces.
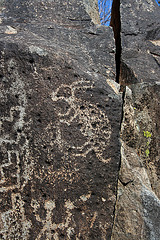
{"x":93,"y":121}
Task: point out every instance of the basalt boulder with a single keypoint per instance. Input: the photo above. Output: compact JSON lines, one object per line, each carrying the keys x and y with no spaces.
{"x":60,"y":120}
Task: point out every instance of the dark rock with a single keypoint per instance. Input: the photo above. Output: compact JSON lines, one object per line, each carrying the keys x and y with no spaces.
{"x":140,"y":39}
{"x":60,"y":121}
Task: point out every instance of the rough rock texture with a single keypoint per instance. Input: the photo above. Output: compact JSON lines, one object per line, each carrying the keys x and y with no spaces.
{"x":60,"y":121}
{"x":138,"y":203}
{"x":140,"y":38}
{"x":137,"y":214}
{"x":61,"y":115}
{"x":92,"y":9}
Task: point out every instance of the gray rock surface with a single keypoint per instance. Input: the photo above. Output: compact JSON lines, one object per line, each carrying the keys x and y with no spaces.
{"x":60,"y":121}
{"x":137,"y":210}
{"x":138,"y":202}
{"x":140,"y":39}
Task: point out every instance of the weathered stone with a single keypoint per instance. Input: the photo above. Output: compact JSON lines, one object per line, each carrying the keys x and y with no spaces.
{"x":140,"y":38}
{"x":61,"y":116}
{"x":138,"y":203}
{"x":60,"y":122}
{"x":92,"y":9}
{"x":137,"y":210}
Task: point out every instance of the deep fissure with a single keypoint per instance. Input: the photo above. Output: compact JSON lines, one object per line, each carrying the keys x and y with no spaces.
{"x":116,"y":25}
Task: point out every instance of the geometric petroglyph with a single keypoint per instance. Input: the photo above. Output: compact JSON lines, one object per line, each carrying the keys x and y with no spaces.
{"x":92,"y":121}
{"x":9,"y":168}
{"x":13,"y":140}
{"x":10,"y":172}
{"x":13,"y":222}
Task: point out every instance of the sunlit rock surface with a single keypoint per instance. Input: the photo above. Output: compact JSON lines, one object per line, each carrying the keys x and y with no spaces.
{"x":137,"y":214}
{"x":60,"y":121}
{"x":91,"y":7}
{"x":140,"y":39}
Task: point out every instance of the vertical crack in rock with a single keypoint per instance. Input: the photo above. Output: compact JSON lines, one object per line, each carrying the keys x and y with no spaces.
{"x":124,"y":74}
{"x":116,"y":25}
{"x":137,"y":68}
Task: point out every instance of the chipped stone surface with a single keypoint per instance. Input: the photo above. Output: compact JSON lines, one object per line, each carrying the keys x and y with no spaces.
{"x":60,"y":122}
{"x":138,"y":203}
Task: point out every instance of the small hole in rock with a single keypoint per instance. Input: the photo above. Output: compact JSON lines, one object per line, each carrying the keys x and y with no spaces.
{"x":31,"y":61}
{"x":99,"y":106}
{"x":88,"y":90}
{"x":19,"y":130}
{"x":82,"y":107}
{"x":94,"y":125}
{"x":101,"y":92}
{"x":69,"y":149}
{"x":79,"y":125}
{"x":44,"y":195}
{"x":75,"y":75}
{"x":62,"y":235}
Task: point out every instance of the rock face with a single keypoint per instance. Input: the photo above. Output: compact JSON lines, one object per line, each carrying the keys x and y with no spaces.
{"x":92,"y":9}
{"x":60,"y":121}
{"x":140,"y":41}
{"x":138,"y":202}
{"x":80,"y":126}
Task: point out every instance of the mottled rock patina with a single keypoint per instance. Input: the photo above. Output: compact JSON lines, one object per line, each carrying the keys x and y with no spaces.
{"x":61,"y":115}
{"x":60,"y":122}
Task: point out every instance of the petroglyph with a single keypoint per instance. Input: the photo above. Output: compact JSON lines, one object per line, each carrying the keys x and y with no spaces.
{"x":10,"y":172}
{"x":92,"y":121}
{"x":13,"y":121}
{"x":49,"y":227}
{"x":14,"y":224}
{"x":52,"y":230}
{"x":59,"y":124}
